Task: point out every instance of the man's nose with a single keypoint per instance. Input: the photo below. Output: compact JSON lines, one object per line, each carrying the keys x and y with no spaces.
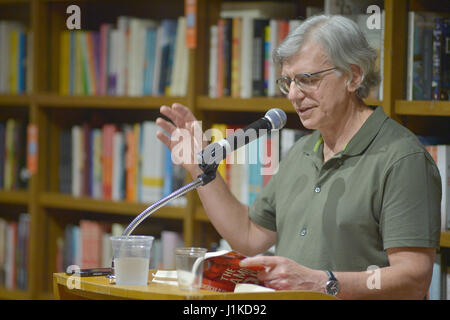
{"x":295,"y":92}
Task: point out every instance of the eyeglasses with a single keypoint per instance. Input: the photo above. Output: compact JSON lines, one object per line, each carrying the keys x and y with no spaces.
{"x":303,"y":81}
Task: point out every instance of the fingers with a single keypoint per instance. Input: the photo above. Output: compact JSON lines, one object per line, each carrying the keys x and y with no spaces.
{"x":183,"y":112}
{"x":164,"y":138}
{"x":165,"y":125}
{"x":259,"y":261}
{"x":178,"y":114}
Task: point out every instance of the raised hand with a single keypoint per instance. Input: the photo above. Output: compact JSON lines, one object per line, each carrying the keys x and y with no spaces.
{"x":185,"y":136}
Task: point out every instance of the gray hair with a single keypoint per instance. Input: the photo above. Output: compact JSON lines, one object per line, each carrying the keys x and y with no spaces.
{"x":342,"y":40}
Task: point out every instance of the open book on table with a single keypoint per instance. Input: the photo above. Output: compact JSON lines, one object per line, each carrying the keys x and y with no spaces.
{"x":221,"y":272}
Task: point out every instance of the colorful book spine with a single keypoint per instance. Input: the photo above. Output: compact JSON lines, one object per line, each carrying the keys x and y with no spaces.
{"x":267,"y":54}
{"x":131,"y":155}
{"x":22,"y":62}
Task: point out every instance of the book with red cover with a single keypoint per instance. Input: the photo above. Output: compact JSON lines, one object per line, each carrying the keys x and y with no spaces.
{"x":221,"y":271}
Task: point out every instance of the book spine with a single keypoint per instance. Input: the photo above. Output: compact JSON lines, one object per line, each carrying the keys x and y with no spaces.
{"x":64,"y":66}
{"x":173,"y":26}
{"x":22,"y":63}
{"x":228,"y":57}
{"x":212,"y":88}
{"x":103,"y":61}
{"x":112,"y":62}
{"x":14,"y":61}
{"x":91,"y":242}
{"x":236,"y":58}
{"x":130,"y":164}
{"x":446,"y":59}
{"x":158,"y":61}
{"x":152,"y":171}
{"x":246,"y":57}
{"x":220,"y":58}
{"x":410,"y":55}
{"x":274,"y":27}
{"x":149,"y":61}
{"x":437,"y":44}
{"x":266,"y":59}
{"x":118,"y":166}
{"x":258,"y":61}
{"x":2,"y":153}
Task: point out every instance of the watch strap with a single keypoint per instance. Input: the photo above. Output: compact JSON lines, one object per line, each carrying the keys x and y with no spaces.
{"x":330,"y":275}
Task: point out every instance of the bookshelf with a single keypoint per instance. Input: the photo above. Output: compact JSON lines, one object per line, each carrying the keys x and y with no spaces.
{"x":50,"y":112}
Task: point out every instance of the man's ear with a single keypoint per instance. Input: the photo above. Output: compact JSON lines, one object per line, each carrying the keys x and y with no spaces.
{"x":357,"y":78}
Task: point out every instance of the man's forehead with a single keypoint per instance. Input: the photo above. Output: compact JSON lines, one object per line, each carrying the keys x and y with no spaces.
{"x":310,"y":57}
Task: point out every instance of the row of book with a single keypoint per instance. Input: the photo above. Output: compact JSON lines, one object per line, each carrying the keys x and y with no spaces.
{"x":428,"y":69}
{"x":15,"y":64}
{"x":88,"y":245}
{"x":441,"y":155}
{"x":247,"y":170}
{"x":139,"y":57}
{"x":13,"y":173}
{"x":14,"y":252}
{"x":240,"y":57}
{"x":118,"y":162}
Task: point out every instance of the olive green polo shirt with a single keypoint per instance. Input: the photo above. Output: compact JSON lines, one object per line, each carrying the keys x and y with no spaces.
{"x":382,"y":191}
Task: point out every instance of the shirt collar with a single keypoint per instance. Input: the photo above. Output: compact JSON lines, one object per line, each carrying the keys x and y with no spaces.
{"x":365,"y":135}
{"x":359,"y":142}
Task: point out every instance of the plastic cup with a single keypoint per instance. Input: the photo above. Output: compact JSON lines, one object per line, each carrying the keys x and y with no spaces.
{"x":189,"y":263}
{"x":131,"y":259}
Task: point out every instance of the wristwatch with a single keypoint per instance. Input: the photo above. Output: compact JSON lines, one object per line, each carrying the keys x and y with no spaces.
{"x":332,"y":285}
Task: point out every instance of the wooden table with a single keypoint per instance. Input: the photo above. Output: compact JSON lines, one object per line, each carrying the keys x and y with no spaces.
{"x":100,"y":288}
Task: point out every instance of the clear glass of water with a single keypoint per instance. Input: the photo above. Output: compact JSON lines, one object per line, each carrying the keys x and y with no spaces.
{"x":189,"y":263}
{"x":131,"y":259}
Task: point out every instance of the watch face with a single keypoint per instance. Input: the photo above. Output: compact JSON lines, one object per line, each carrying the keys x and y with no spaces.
{"x":332,"y":287}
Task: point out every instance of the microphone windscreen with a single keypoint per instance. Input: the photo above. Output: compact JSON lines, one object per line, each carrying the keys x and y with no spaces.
{"x":277,"y":118}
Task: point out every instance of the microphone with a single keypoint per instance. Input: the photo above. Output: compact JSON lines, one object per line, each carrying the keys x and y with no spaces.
{"x":210,"y":157}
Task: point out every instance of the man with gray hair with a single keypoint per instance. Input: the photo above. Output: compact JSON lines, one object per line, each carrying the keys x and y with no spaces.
{"x":360,"y":191}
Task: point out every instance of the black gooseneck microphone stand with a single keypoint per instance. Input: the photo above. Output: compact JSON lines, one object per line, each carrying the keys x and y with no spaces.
{"x":208,"y":175}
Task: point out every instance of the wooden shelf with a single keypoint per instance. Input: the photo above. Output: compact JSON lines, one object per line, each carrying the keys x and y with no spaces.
{"x":14,"y":1}
{"x":18,"y":100}
{"x":423,"y":108}
{"x":255,"y":104}
{"x":61,"y":201}
{"x":445,"y":239}
{"x":20,"y":197}
{"x":107,"y":102}
{"x":14,"y":294}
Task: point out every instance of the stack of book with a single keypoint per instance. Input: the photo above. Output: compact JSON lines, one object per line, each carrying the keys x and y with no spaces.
{"x":13,"y":155}
{"x":241,"y":46}
{"x":88,"y":245}
{"x":15,"y":64}
{"x":428,"y":73}
{"x":14,"y":253}
{"x":118,"y":162}
{"x":139,"y":57}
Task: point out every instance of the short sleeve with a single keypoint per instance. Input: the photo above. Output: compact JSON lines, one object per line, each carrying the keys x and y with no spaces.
{"x":262,"y":211}
{"x":410,"y":215}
